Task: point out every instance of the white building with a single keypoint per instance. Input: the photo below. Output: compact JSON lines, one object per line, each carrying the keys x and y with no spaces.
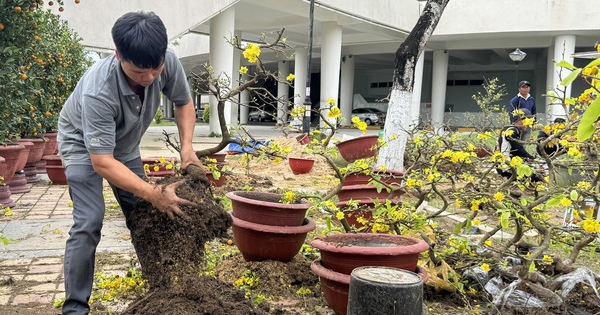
{"x":355,"y":41}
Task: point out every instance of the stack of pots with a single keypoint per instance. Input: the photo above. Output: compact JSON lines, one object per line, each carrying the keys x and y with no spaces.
{"x":264,"y":228}
{"x":342,"y":253}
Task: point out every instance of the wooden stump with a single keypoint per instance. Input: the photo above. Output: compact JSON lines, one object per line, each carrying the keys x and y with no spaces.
{"x":384,"y":290}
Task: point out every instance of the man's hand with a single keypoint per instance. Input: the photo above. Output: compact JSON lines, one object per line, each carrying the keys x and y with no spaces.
{"x":166,"y":200}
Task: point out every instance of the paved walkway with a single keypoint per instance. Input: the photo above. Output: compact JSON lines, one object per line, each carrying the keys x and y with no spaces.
{"x":31,"y":265}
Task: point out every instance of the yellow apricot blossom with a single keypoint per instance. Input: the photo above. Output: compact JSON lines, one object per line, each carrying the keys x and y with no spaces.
{"x":499,"y":196}
{"x":565,"y":202}
{"x":330,"y":101}
{"x":243,"y":70}
{"x":591,"y":226}
{"x":290,"y":77}
{"x":486,"y":267}
{"x":334,"y":112}
{"x":339,"y":215}
{"x":252,"y":52}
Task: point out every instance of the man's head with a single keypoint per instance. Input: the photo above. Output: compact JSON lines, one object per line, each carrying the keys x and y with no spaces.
{"x":559,"y":120}
{"x":524,"y":87}
{"x":141,"y":39}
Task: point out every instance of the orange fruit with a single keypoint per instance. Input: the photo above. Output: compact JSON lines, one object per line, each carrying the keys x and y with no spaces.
{"x":61,"y":9}
{"x":76,"y":1}
{"x":23,"y":76}
{"x":18,"y":9}
{"x":36,"y":37}
{"x":1,"y":26}
{"x":50,"y":3}
{"x":48,"y":114}
{"x":229,"y":242}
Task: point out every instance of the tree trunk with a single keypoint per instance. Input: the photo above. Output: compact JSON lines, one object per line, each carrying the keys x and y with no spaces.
{"x":398,"y":115}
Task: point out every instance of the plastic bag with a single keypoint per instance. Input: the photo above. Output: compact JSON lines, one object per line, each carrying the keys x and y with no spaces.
{"x":477,"y":274}
{"x":537,"y":297}
{"x":582,"y":275}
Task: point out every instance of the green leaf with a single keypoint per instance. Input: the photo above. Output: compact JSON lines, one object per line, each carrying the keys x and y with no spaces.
{"x":574,"y":195}
{"x":565,"y":64}
{"x":532,"y":267}
{"x":329,"y":228}
{"x":592,"y":252}
{"x":523,"y":202}
{"x":457,"y":228}
{"x":586,"y":125}
{"x":504,"y":219}
{"x":524,"y":170}
{"x":554,"y":201}
{"x":593,"y":63}
{"x":468,"y":225}
{"x":570,"y":78}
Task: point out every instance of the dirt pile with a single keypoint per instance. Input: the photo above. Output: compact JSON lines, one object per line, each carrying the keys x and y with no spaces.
{"x":170,"y":253}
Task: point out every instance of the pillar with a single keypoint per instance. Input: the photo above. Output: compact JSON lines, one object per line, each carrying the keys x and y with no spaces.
{"x":283,"y":89}
{"x":221,"y":59}
{"x":564,"y":47}
{"x":347,"y":89}
{"x":244,"y":103}
{"x":438,"y":89}
{"x":300,"y":65}
{"x":330,"y":64}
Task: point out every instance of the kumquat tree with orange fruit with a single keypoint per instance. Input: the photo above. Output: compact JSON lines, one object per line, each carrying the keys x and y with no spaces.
{"x":41,"y":60}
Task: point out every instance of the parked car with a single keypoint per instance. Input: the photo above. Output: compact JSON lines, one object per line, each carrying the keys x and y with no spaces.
{"x":369,"y":115}
{"x":260,"y":115}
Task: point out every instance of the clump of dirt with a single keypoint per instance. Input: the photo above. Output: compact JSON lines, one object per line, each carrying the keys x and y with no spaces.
{"x":170,"y":254}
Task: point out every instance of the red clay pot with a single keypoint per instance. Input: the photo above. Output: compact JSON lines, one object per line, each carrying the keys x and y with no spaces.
{"x":11,"y":153}
{"x":301,"y":166}
{"x":258,"y":242}
{"x":162,"y":170}
{"x":55,"y":169}
{"x":303,"y":138}
{"x":51,"y":148}
{"x":364,"y":211}
{"x":265,"y":208}
{"x":344,"y":252}
{"x":358,"y":148}
{"x":335,"y":285}
{"x":220,"y":157}
{"x":368,"y":192}
{"x":390,"y":177}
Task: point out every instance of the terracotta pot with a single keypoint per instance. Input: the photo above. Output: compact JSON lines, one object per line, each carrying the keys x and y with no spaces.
{"x":24,"y":155}
{"x":301,"y":166}
{"x":162,"y":170}
{"x":55,"y":169}
{"x":265,"y":208}
{"x":220,"y":157}
{"x":217,"y":182}
{"x":259,"y":242}
{"x":335,"y":285}
{"x":5,"y":200}
{"x":51,"y":147}
{"x":18,"y":183}
{"x":364,"y":212}
{"x":303,"y":138}
{"x":36,"y":151}
{"x":390,"y":177}
{"x":11,"y":153}
{"x":358,"y":148}
{"x":3,"y":167}
{"x":344,"y":252}
{"x":368,"y":192}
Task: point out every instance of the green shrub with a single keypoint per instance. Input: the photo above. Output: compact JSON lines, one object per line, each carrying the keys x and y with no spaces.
{"x":159,"y":115}
{"x":206,"y":115}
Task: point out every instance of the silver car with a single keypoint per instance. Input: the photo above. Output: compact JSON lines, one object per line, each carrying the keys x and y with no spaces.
{"x":259,"y":115}
{"x":370,"y":116}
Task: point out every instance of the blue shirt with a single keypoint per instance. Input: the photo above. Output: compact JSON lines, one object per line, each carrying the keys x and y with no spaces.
{"x":519,"y":102}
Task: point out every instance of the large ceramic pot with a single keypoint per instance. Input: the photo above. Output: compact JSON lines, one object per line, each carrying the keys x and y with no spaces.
{"x":335,"y":285}
{"x":50,"y":148}
{"x":368,"y":192}
{"x":358,"y":148}
{"x":301,"y":166}
{"x":344,"y":252}
{"x":162,"y":169}
{"x":11,"y":153}
{"x":35,"y":155}
{"x":18,"y":184}
{"x":5,"y":193}
{"x":390,"y":177}
{"x":259,"y":242}
{"x":55,"y":169}
{"x":266,"y":208}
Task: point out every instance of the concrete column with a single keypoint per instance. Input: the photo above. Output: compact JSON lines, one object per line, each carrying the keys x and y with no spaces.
{"x":235,"y":81}
{"x":300,"y":70}
{"x":415,"y":109}
{"x":564,"y":47}
{"x":549,"y":81}
{"x":244,"y":102}
{"x":221,"y":59}
{"x":347,"y":89}
{"x":330,"y":64}
{"x":438,"y":89}
{"x":283,"y":94}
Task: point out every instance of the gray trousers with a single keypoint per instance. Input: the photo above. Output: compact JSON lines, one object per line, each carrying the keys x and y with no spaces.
{"x":86,"y":192}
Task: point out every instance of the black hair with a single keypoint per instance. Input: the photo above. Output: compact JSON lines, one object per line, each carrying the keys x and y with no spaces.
{"x":141,"y":38}
{"x":559,"y":120}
